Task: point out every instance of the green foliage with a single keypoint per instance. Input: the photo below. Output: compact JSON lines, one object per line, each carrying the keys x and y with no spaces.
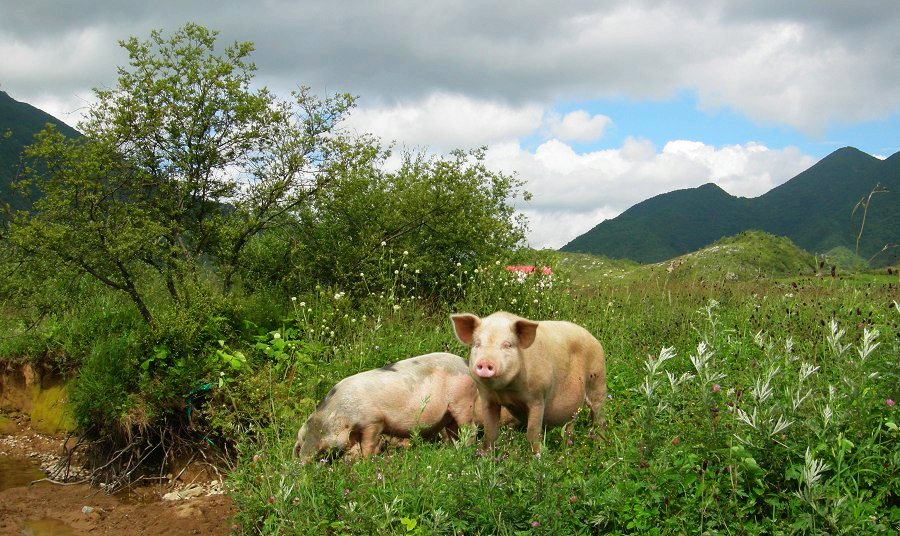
{"x":413,"y":225}
{"x":181,"y":164}
{"x":104,"y":392}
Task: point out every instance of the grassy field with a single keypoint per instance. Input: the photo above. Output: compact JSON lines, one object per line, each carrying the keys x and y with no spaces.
{"x":750,"y":393}
{"x":738,"y":405}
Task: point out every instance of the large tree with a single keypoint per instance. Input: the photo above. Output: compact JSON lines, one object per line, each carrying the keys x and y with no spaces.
{"x":183,"y":161}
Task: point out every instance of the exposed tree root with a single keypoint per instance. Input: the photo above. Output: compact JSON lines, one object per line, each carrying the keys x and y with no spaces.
{"x":115,"y":462}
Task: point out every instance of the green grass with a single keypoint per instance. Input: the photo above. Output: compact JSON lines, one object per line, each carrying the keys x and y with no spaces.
{"x":769,"y":429}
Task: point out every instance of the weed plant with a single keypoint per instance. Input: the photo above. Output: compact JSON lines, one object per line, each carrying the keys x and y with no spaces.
{"x":759,"y":407}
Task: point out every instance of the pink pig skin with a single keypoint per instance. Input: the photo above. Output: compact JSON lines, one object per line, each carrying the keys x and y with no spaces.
{"x":541,"y":372}
{"x":431,"y":393}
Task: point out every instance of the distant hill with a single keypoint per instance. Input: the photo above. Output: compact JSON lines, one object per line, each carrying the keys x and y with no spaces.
{"x":813,"y":209}
{"x":747,"y":256}
{"x":21,"y":121}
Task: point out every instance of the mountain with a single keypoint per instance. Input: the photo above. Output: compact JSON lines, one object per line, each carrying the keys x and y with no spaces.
{"x":813,"y":209}
{"x":19,"y":122}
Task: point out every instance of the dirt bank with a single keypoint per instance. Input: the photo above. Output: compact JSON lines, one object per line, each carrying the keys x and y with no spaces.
{"x":45,"y":508}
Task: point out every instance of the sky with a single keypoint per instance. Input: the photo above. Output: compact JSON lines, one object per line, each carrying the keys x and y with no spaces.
{"x":596,"y":105}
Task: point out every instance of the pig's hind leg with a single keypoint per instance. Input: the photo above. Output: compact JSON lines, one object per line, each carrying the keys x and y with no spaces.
{"x":595,"y":396}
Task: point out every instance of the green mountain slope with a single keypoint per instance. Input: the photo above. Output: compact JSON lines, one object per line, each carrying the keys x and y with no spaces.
{"x":813,"y":209}
{"x":19,"y":122}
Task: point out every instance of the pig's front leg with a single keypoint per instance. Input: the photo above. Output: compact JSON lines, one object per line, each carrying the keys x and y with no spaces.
{"x":370,"y":439}
{"x":535,"y":426}
{"x":491,"y":411}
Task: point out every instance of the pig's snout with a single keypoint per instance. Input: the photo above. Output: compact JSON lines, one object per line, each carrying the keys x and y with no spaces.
{"x":485,"y":368}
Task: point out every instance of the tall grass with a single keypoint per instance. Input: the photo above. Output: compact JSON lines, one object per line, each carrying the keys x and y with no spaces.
{"x":738,"y":408}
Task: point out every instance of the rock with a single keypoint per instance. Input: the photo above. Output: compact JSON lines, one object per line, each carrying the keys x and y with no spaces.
{"x":186,"y":493}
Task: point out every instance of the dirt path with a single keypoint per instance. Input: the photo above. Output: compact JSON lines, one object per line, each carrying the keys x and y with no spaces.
{"x":44,"y":508}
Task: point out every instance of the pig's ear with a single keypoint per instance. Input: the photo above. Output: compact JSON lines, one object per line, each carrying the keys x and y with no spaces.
{"x":526,"y":330}
{"x":465,"y":325}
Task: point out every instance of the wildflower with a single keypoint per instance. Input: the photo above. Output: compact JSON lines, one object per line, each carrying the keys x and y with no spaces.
{"x":396,"y":306}
{"x":418,"y":271}
{"x":676,"y":441}
{"x":716,"y":388}
{"x":535,"y":524}
{"x":405,"y":252}
{"x":293,"y":298}
{"x":379,"y":477}
{"x":383,"y":243}
{"x":458,"y":264}
{"x":255,"y":458}
{"x":890,"y":402}
{"x":271,"y":499}
{"x":303,"y":304}
{"x":573,"y":499}
{"x":396,"y":272}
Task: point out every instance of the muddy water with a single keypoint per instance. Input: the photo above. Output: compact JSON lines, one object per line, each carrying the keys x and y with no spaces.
{"x":46,"y":527}
{"x":16,"y":472}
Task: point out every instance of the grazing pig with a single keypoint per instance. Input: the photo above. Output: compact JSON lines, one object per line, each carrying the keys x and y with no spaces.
{"x":430,"y":393}
{"x":542,"y":372}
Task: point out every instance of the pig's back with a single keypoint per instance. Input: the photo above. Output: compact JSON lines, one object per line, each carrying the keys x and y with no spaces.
{"x":396,"y":384}
{"x":569,"y":345}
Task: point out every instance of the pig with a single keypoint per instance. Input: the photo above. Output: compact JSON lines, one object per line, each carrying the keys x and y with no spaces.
{"x":431,"y":393}
{"x":542,"y":372}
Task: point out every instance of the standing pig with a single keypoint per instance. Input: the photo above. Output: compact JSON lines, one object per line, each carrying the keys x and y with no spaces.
{"x":429,"y":393}
{"x":542,"y":372}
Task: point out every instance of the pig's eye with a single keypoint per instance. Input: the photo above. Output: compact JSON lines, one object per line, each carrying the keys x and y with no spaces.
{"x":506,"y":345}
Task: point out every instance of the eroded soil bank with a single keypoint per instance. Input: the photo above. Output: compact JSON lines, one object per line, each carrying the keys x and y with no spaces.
{"x":43,"y":508}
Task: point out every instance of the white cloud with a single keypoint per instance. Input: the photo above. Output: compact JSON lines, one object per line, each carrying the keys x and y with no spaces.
{"x":57,"y":74}
{"x":574,"y":192}
{"x":578,"y":126}
{"x":803,"y":64}
{"x":443,"y":122}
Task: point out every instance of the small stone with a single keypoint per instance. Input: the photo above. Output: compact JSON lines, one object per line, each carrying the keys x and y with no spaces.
{"x":87,"y":509}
